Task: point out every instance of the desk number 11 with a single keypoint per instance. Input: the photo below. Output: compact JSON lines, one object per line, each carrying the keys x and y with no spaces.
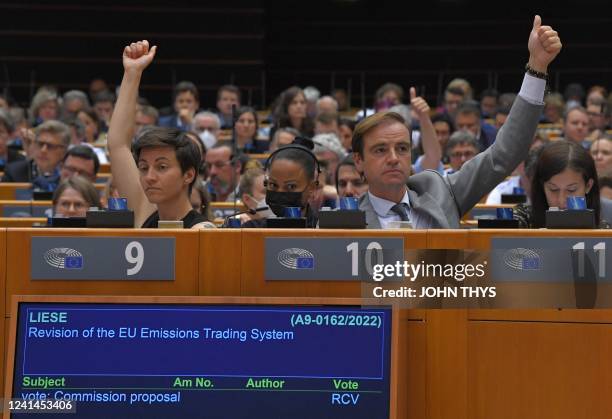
{"x":600,"y":249}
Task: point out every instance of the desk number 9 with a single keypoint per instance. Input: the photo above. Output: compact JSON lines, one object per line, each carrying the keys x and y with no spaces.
{"x":137,"y":259}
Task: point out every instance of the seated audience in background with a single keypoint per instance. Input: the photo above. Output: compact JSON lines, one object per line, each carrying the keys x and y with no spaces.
{"x":146,"y":116}
{"x":329,"y":151}
{"x":605,"y":187}
{"x":282,"y":136}
{"x":327,"y":123}
{"x":87,"y":122}
{"x":574,"y":95}
{"x":44,"y":107}
{"x":488,"y":103}
{"x":596,"y":93}
{"x":5,"y":101}
{"x":576,"y":126}
{"x":387,"y":96}
{"x":598,"y":112}
{"x":382,"y":152}
{"x":96,"y":86}
{"x":341,"y":99}
{"x":501,"y":114}
{"x":223,"y":169}
{"x":345,"y":132}
{"x":349,"y":182}
{"x":74,"y":196}
{"x":207,"y":125}
{"x":461,"y":147}
{"x":326,"y":104}
{"x":324,"y":195}
{"x":73,"y":101}
{"x":91,"y":122}
{"x":186,"y":101}
{"x":290,"y":179}
{"x":7,"y":155}
{"x":253,"y":195}
{"x":103,"y":106}
{"x":291,"y":112}
{"x":157,"y":178}
{"x":468,"y":118}
{"x":453,"y":96}
{"x":43,"y":170}
{"x":200,"y":200}
{"x":601,"y":150}
{"x":247,"y":127}
{"x":563,"y":169}
{"x":554,"y":109}
{"x":464,"y":86}
{"x":227,"y":96}
{"x":444,"y":127}
{"x":80,"y":160}
{"x":110,"y":191}
{"x":521,"y":178}
{"x":311,"y":95}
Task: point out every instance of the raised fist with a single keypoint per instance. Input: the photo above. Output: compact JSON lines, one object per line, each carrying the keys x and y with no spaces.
{"x":137,"y":56}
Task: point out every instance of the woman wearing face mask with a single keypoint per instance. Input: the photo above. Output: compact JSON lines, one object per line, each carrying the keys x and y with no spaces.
{"x":290,"y":181}
{"x":563,"y":169}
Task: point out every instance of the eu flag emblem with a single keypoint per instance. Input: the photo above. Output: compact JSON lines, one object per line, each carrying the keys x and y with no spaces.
{"x":305,"y":263}
{"x":531,"y":263}
{"x":73,"y":262}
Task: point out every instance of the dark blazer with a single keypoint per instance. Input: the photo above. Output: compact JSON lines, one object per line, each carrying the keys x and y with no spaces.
{"x":446,"y":199}
{"x":172,"y":121}
{"x":12,"y":156}
{"x":19,"y":171}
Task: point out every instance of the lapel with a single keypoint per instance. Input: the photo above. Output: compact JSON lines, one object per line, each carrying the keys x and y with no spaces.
{"x":425,"y":204}
{"x":372,"y":220}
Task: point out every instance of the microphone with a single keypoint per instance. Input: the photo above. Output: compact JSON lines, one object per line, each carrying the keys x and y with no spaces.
{"x":234,"y":158}
{"x":251,"y":211}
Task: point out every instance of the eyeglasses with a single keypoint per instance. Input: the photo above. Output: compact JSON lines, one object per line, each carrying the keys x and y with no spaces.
{"x":50,"y":146}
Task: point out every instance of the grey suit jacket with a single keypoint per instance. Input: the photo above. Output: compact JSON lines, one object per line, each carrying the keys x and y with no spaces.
{"x":606,"y":210}
{"x":446,"y":199}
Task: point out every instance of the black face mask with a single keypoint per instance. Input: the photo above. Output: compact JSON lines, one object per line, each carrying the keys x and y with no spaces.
{"x":278,"y":201}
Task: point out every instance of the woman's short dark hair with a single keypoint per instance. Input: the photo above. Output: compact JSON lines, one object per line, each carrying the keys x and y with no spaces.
{"x":186,"y":150}
{"x":553,"y":159}
{"x":83,"y":186}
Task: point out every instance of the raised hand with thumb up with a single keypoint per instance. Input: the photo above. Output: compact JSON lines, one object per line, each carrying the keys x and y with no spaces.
{"x":544,"y":45}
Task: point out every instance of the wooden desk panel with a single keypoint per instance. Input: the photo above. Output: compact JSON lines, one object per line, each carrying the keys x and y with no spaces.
{"x":253,"y":263}
{"x":539,"y":370}
{"x":7,"y":189}
{"x":18,"y":272}
{"x":219,"y":267}
{"x":3,"y":323}
{"x":22,"y":221}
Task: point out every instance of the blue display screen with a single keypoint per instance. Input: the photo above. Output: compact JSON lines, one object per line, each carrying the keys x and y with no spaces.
{"x":205,"y":361}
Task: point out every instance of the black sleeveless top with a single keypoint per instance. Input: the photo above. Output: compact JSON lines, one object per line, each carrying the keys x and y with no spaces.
{"x":192,"y":218}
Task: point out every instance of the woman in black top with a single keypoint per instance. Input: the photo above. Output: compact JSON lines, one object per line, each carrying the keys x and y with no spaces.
{"x":157,"y":178}
{"x":291,"y":179}
{"x":563,"y":169}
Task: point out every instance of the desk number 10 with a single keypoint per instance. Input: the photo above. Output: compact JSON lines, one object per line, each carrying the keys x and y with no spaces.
{"x":353,"y":249}
{"x":600,"y":249}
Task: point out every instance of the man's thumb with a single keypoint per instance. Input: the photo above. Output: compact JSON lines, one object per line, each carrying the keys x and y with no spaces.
{"x":412,"y":93}
{"x":537,"y":22}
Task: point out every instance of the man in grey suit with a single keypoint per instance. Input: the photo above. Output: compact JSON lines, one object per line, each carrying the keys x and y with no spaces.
{"x":381,"y":147}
